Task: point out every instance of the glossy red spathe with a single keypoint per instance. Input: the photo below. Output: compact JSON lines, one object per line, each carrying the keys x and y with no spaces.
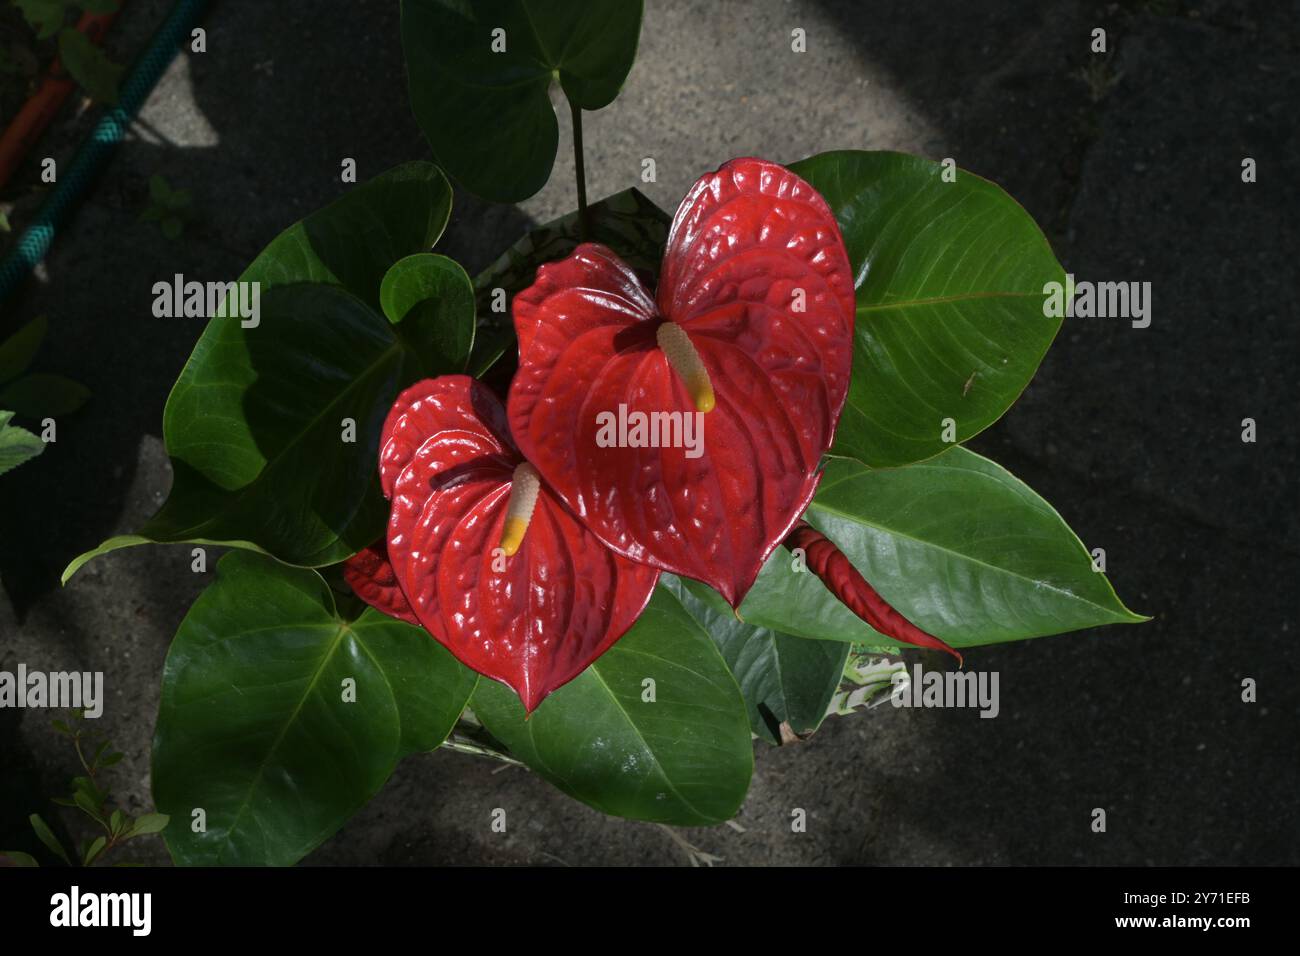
{"x":533,"y":620}
{"x":756,"y":274}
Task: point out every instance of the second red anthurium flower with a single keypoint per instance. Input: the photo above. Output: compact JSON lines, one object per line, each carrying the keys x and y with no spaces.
{"x":488,"y":559}
{"x":687,"y":430}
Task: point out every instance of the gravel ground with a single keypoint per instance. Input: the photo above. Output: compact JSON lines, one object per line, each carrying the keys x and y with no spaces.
{"x":1131,"y":162}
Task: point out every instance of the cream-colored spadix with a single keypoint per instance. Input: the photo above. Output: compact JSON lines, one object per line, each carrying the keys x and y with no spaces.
{"x":524,"y":486}
{"x":686,"y":362}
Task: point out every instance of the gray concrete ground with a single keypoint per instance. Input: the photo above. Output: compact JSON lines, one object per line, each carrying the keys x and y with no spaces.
{"x":1132,"y":164}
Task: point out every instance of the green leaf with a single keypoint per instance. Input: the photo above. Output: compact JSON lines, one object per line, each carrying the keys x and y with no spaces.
{"x":784,"y":679}
{"x":46,"y":836}
{"x":254,"y":727}
{"x":950,"y":293}
{"x":16,"y":858}
{"x":254,"y":424}
{"x":256,"y":429}
{"x":44,"y":16}
{"x":17,"y":445}
{"x":17,"y":351}
{"x":430,"y":686}
{"x":90,"y":806}
{"x":40,"y":396}
{"x":431,"y":297}
{"x":685,"y":758}
{"x":356,"y":239}
{"x":627,"y":222}
{"x":85,"y":787}
{"x":93,"y":849}
{"x":488,"y":115}
{"x":116,"y":822}
{"x":961,"y":547}
{"x":170,"y":208}
{"x":89,"y":65}
{"x":160,"y":192}
{"x":149,"y":823}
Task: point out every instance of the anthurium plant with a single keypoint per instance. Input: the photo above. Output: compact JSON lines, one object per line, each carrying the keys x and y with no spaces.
{"x":647,"y":489}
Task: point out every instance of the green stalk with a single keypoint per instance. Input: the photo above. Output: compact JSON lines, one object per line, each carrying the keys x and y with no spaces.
{"x":583,"y":224}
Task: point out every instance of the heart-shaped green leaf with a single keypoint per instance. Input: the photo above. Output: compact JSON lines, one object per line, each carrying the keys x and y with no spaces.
{"x":950,"y":282}
{"x":653,"y":730}
{"x":480,"y":76}
{"x":273,"y":428}
{"x":280,"y":719}
{"x":960,"y":546}
{"x":356,"y":239}
{"x":784,"y":679}
{"x":429,"y":295}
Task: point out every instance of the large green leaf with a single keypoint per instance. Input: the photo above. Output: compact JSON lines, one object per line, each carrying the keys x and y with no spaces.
{"x":959,"y":545}
{"x":950,"y":291}
{"x":684,"y":758}
{"x":784,"y":679}
{"x":356,"y":239}
{"x":627,"y":222}
{"x":17,"y":445}
{"x":254,"y":728}
{"x":255,"y":424}
{"x":487,"y":113}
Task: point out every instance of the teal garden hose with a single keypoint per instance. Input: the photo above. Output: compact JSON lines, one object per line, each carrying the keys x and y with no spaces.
{"x":95,"y":152}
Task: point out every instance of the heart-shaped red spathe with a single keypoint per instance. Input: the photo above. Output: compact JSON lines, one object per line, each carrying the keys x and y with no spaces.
{"x":756,"y":274}
{"x":533,"y":620}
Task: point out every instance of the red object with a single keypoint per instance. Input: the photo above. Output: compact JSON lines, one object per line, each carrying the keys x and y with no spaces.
{"x":533,"y":620}
{"x":37,"y":113}
{"x":371,"y":576}
{"x":845,"y":581}
{"x":756,"y":274}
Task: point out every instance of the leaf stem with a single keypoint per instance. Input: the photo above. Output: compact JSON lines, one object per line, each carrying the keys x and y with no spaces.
{"x":463,"y":744}
{"x":580,"y":169}
{"x":76,"y":742}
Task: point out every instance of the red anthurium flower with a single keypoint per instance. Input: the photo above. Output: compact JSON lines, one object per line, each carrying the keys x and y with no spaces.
{"x":491,"y":562}
{"x":687,"y":431}
{"x":371,"y":576}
